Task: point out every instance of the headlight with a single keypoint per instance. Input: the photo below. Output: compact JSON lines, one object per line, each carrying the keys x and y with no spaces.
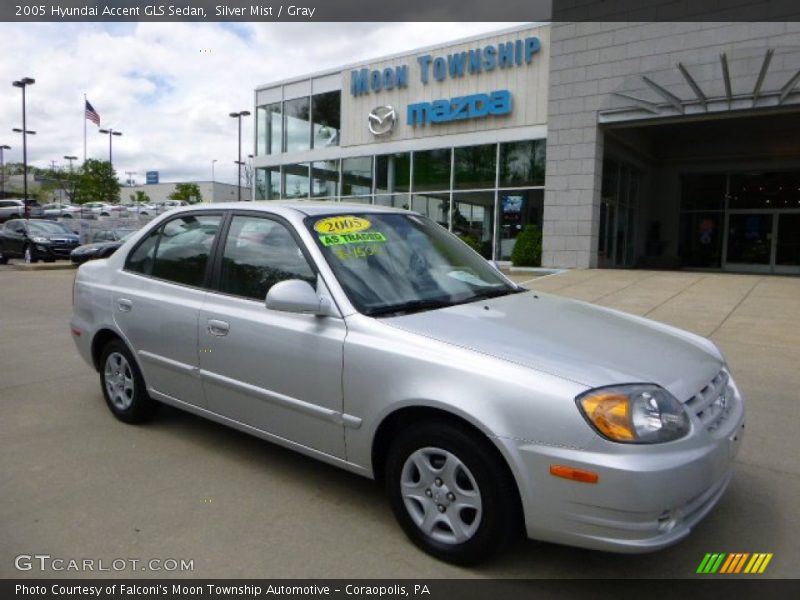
{"x":634,"y":414}
{"x":41,"y":240}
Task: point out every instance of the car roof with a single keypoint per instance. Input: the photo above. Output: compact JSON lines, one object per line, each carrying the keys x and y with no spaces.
{"x":304,"y":207}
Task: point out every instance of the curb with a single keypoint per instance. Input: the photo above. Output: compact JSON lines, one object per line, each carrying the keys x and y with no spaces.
{"x":63,"y":266}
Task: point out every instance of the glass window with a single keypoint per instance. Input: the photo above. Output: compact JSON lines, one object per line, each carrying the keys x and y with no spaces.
{"x":475,"y":167}
{"x":325,"y":178}
{"x":296,"y":125}
{"x":434,"y":206}
{"x":326,"y":112}
{"x":178,"y":251}
{"x":473,"y":220}
{"x":788,"y":243}
{"x":703,"y":191}
{"x":392,"y":173}
{"x":259,"y":253}
{"x":764,"y":190}
{"x":261,"y":130}
{"x":269,"y":128}
{"x":268,"y":183}
{"x":295,"y":181}
{"x":394,"y":200}
{"x":141,"y":259}
{"x":357,"y":176}
{"x":522,"y":163}
{"x":432,"y":170}
{"x":517,"y":209}
{"x":405,"y":263}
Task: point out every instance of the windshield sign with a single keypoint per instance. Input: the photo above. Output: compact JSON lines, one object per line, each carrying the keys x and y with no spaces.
{"x":391,"y":264}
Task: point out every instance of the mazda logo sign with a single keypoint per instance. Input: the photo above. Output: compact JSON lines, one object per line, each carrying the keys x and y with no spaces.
{"x":381,"y":120}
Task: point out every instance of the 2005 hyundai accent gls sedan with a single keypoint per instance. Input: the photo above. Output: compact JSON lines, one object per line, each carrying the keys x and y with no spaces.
{"x":377,"y":341}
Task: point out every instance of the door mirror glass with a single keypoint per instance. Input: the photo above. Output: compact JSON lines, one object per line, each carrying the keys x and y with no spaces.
{"x":296,"y":296}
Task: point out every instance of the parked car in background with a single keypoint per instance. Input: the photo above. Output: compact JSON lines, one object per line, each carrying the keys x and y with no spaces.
{"x":14,"y":209}
{"x":111,"y":235}
{"x":35,"y":240}
{"x":375,"y":340}
{"x":105,"y":244}
{"x":105,"y":209}
{"x":162,"y":207}
{"x":58,"y":209}
{"x":141,"y":208}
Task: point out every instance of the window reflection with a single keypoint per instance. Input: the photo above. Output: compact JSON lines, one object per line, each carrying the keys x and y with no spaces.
{"x":297,"y":125}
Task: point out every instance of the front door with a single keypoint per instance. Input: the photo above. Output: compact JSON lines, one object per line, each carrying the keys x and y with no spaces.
{"x":277,"y":371}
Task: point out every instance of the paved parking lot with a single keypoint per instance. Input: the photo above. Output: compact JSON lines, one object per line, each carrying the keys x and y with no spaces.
{"x":78,"y":484}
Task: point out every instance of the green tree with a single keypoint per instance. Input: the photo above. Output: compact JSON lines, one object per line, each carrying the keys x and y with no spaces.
{"x":188,"y":192}
{"x":96,"y":182}
{"x":140,"y":197}
{"x":527,"y":250}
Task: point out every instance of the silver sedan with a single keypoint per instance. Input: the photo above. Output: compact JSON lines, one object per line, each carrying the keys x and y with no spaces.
{"x":375,"y":340}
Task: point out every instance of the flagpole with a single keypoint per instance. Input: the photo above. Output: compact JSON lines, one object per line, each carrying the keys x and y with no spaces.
{"x":84,"y":127}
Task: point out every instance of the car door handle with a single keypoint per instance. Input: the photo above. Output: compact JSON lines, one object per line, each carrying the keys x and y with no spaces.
{"x":124,"y":305}
{"x":217,"y":327}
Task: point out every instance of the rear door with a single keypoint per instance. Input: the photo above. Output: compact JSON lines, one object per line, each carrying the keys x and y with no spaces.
{"x":157,"y":298}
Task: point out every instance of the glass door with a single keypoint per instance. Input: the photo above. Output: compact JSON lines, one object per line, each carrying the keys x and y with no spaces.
{"x":787,"y":244}
{"x":750,"y":241}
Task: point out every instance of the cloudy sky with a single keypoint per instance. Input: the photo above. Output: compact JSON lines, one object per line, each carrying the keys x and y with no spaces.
{"x":170,"y":86}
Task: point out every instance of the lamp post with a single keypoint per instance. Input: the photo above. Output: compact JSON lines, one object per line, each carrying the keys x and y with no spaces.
{"x":71,"y":180}
{"x":212,"y":170}
{"x":3,"y":170}
{"x":22,"y":84}
{"x":239,"y":115}
{"x":110,"y":132}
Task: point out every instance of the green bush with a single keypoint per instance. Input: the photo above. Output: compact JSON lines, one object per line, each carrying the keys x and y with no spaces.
{"x":471,"y":242}
{"x":527,"y":251}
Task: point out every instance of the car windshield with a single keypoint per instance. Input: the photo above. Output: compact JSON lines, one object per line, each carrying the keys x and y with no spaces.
{"x":48,"y":227}
{"x":395,"y":263}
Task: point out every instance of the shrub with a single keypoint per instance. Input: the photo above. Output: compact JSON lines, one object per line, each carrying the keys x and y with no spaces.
{"x":471,"y":242}
{"x":527,"y":251}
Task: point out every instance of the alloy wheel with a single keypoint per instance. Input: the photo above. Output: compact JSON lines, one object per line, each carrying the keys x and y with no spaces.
{"x":118,"y":379}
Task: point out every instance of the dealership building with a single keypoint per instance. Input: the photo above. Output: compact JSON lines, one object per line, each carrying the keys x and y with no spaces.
{"x":657,"y":145}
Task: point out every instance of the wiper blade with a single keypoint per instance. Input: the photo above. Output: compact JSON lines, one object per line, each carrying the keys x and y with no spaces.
{"x":487,"y":294}
{"x":411,"y":306}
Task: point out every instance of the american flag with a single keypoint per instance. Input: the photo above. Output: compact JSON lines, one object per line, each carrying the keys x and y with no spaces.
{"x":91,"y":114}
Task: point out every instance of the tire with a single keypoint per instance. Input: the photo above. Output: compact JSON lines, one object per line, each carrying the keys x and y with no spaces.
{"x":434,"y":467}
{"x":66,"y":216}
{"x":29,"y":256}
{"x":123,"y":385}
{"x":3,"y":257}
{"x":104,"y":214}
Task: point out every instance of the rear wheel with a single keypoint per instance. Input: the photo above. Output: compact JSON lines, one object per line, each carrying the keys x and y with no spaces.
{"x":3,"y":257}
{"x":123,"y":385}
{"x":450,"y":492}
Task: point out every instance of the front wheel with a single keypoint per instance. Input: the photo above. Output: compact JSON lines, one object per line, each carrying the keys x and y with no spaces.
{"x":123,"y":385}
{"x":450,"y":492}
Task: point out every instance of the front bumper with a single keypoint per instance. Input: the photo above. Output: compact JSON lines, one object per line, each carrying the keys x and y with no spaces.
{"x":646,"y":497}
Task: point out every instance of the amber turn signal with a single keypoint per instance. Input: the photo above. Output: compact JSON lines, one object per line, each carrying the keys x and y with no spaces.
{"x":573,"y":474}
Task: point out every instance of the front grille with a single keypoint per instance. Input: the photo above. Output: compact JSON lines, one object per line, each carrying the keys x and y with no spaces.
{"x":713,"y":403}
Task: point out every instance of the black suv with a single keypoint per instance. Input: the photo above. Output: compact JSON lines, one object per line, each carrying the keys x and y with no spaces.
{"x":34,"y":240}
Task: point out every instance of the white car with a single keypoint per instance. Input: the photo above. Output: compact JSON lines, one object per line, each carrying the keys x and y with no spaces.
{"x":105,"y":209}
{"x":57,"y":209}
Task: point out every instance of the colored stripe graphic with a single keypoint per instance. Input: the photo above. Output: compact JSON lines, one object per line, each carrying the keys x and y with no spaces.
{"x":724,"y":563}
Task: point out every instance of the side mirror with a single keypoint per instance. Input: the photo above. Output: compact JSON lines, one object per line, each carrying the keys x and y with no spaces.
{"x":296,"y":296}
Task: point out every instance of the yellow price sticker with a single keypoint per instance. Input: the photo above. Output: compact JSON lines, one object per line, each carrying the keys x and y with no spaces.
{"x":341,"y":224}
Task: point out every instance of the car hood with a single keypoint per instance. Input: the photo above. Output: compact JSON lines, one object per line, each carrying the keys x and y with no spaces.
{"x":69,"y":237}
{"x":587,"y":344}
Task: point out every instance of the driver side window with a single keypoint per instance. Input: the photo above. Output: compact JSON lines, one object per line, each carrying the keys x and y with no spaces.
{"x":259,"y":253}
